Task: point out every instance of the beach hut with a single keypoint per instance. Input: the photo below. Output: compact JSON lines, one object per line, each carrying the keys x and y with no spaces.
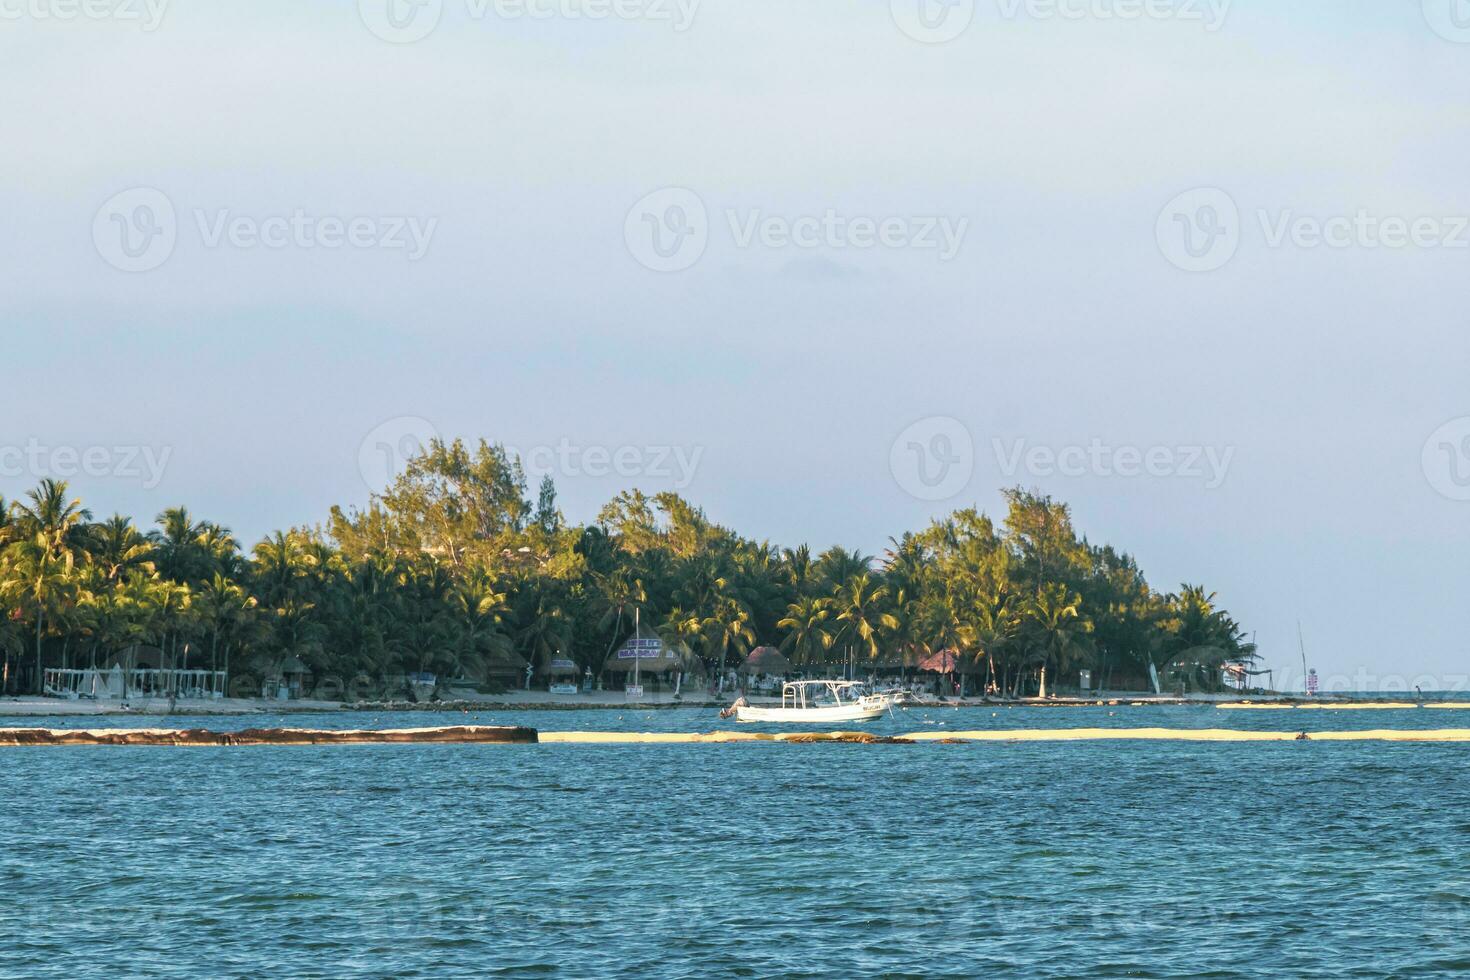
{"x":503,"y":668}
{"x":950,"y":661}
{"x":766,"y":666}
{"x":560,"y":667}
{"x":561,"y":674}
{"x":767,"y":660}
{"x":653,"y":661}
{"x":288,"y":680}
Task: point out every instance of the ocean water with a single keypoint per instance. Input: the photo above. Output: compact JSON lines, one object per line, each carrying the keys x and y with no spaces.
{"x":1157,"y":859}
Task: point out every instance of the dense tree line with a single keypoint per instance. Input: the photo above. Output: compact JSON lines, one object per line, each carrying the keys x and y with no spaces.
{"x":453,"y":569}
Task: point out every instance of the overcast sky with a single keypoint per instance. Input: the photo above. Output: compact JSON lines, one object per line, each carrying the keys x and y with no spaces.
{"x":1198,"y":269}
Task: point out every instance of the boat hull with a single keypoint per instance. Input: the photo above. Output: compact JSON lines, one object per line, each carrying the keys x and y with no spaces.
{"x":810,"y":716}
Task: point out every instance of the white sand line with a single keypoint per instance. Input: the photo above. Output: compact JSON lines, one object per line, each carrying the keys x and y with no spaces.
{"x":1334,"y":706}
{"x":1012,"y":735}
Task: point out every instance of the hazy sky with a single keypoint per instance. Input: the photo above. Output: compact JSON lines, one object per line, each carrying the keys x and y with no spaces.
{"x":1199,"y":269}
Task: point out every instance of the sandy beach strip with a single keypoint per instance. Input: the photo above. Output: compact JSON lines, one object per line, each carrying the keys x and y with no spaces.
{"x":1334,"y":706}
{"x":1010,"y":735}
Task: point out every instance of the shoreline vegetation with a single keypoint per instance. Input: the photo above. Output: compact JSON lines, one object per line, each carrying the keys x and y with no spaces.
{"x":454,"y":573}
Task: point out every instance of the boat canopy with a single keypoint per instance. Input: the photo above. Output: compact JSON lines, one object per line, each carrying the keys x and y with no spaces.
{"x":800,"y":694}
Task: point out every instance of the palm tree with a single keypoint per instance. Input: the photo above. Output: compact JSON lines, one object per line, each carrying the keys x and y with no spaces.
{"x":837,"y":566}
{"x":1198,"y":639}
{"x":177,"y":550}
{"x":618,"y":590}
{"x":546,"y":631}
{"x":58,"y":520}
{"x":172,"y":605}
{"x":991,"y":625}
{"x":219,"y":548}
{"x":808,"y":634}
{"x":1057,"y":631}
{"x":116,"y":546}
{"x":859,"y":604}
{"x":11,"y":645}
{"x":481,"y":612}
{"x":280,"y":564}
{"x":796,"y":563}
{"x":39,"y":578}
{"x":222,"y":606}
{"x":727,"y":626}
{"x":7,"y":522}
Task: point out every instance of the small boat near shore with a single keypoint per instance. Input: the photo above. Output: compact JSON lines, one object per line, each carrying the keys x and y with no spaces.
{"x":816,"y":702}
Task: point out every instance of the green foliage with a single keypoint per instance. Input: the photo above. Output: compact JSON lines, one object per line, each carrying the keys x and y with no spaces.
{"x":454,"y":571}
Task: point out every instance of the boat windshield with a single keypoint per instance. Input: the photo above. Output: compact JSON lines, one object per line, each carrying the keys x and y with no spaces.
{"x":811,"y":694}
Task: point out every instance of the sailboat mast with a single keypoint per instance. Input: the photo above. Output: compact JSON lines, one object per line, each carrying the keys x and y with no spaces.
{"x":1302,"y":645}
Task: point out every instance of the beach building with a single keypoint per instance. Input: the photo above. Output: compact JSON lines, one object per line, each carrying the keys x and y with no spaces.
{"x":502,"y":668}
{"x":286,"y":681}
{"x":953,"y":667}
{"x":561,"y":674}
{"x":657,"y":666}
{"x":135,"y":672}
{"x":765,"y":668}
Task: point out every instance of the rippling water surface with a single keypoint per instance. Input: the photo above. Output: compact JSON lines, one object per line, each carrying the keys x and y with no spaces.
{"x":997,"y":859}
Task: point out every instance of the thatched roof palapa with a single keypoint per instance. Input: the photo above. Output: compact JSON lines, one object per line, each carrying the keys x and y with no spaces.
{"x":766,"y":660}
{"x":648,"y":655}
{"x":949,"y":661}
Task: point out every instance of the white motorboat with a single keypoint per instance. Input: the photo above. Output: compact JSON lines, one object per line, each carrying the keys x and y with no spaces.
{"x":816,"y":702}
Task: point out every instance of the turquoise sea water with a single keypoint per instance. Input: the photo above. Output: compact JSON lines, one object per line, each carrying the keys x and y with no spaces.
{"x":1093,"y":859}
